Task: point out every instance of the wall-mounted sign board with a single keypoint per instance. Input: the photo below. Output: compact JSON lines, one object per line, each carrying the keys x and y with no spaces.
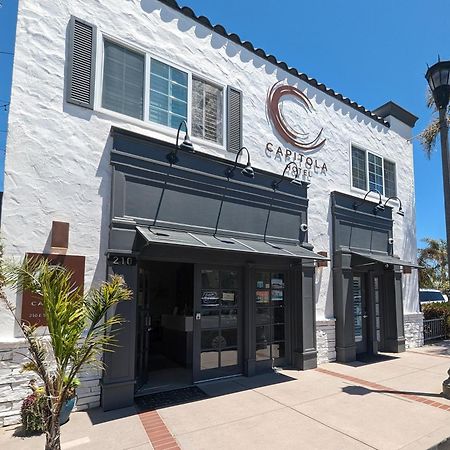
{"x":32,"y":307}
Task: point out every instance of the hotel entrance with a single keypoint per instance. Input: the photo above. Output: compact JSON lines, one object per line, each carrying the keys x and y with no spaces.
{"x":220,"y":266}
{"x":367,"y":310}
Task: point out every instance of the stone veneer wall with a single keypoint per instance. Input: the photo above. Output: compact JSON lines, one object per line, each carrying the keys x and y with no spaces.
{"x":413,"y":330}
{"x":14,"y":383}
{"x":326,"y":340}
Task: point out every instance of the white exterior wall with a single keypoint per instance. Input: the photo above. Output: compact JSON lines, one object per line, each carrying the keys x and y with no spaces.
{"x":57,"y":159}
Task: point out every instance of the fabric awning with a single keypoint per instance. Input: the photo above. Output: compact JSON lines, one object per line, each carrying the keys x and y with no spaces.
{"x":385,"y":259}
{"x":207,"y":241}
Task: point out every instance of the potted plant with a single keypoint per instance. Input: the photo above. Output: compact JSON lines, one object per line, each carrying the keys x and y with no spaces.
{"x":80,"y":328}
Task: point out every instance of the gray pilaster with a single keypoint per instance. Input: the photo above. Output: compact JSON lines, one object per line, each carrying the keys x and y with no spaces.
{"x":343,"y":307}
{"x":119,"y":376}
{"x":394,"y":339}
{"x":304,"y":338}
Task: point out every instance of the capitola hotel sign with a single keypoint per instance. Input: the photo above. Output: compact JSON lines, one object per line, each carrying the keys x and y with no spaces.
{"x":299,"y":144}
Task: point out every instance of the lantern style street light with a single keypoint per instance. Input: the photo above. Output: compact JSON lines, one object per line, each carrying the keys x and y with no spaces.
{"x":438,"y":77}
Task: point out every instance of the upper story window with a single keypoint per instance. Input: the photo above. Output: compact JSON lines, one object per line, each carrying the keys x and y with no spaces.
{"x":166,"y":96}
{"x":371,"y":172}
{"x":123,"y":80}
{"x":207,"y":111}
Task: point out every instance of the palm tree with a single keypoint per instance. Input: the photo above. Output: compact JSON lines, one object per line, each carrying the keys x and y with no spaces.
{"x":433,"y":259}
{"x":429,"y":135}
{"x":79,"y":330}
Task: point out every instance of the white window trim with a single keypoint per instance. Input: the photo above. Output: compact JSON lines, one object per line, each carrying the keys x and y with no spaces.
{"x":366,"y":151}
{"x":145,"y":122}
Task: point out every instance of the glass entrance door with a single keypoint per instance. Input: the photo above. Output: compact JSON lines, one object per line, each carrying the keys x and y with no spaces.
{"x":360,"y":314}
{"x":217,"y":336}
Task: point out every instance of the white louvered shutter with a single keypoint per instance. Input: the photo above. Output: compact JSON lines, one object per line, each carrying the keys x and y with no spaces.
{"x":81,"y":63}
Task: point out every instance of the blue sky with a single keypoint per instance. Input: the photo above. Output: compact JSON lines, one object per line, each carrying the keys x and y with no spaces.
{"x":371,"y":52}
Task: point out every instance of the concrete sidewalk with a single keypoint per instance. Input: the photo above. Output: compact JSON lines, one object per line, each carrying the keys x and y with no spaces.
{"x":393,"y":403}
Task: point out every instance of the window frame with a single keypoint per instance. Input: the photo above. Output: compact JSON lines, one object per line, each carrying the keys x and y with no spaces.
{"x":383,"y":159}
{"x":145,"y":121}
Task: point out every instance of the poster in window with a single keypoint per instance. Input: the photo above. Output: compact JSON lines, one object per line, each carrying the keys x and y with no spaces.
{"x":262,"y":296}
{"x":277,"y":283}
{"x":277,"y":295}
{"x":210,"y":298}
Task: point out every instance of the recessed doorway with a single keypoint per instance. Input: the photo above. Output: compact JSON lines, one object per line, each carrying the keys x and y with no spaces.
{"x":164,"y":326}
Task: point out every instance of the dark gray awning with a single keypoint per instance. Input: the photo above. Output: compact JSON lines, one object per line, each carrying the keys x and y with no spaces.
{"x":208,"y":241}
{"x":385,"y":259}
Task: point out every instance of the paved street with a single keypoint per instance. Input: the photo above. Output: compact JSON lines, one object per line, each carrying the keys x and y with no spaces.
{"x":393,"y":403}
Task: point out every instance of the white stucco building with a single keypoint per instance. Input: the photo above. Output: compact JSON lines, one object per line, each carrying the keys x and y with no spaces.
{"x":225,"y":269}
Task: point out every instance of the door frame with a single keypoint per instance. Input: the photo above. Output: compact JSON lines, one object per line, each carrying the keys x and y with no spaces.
{"x":197,"y":374}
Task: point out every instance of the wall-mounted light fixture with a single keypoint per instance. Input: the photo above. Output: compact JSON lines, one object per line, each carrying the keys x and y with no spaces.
{"x":379,"y":207}
{"x":246,"y":171}
{"x":60,"y":235}
{"x":229,"y":173}
{"x":295,"y":180}
{"x":400,"y":211}
{"x":322,"y":263}
{"x":186,"y":145}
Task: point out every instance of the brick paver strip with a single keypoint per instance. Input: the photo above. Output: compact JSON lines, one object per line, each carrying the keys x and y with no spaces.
{"x":378,"y":387}
{"x":157,"y":432}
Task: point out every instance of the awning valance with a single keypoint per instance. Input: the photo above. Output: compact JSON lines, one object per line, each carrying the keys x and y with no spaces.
{"x":385,"y":259}
{"x":158,"y":235}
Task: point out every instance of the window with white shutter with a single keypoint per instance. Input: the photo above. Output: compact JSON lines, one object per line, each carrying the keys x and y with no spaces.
{"x":207,"y":111}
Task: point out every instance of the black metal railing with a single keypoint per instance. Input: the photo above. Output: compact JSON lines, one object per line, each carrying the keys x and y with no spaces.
{"x":434,"y":329}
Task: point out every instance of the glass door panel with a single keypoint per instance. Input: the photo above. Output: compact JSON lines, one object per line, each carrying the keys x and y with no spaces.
{"x":270,"y":316}
{"x":218,"y":346}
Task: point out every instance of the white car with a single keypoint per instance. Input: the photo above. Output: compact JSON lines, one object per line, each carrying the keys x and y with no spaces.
{"x":431,"y":296}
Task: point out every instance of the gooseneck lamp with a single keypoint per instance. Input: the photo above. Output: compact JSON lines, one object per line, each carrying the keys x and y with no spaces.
{"x":378,"y":207}
{"x":186,"y":145}
{"x":229,"y":173}
{"x":400,"y":211}
{"x":276,"y":184}
{"x":438,"y":77}
{"x":246,"y":171}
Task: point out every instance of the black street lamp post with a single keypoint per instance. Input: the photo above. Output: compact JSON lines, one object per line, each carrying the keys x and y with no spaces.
{"x":438,"y":77}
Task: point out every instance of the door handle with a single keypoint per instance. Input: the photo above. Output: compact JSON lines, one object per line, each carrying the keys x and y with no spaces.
{"x":198,"y":316}
{"x":365,"y":316}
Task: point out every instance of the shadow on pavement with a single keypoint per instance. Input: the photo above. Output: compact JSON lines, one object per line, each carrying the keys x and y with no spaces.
{"x":360,"y":390}
{"x":204,"y":390}
{"x":97,"y":415}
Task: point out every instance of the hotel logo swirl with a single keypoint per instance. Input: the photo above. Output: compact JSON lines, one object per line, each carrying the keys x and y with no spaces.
{"x":298,"y":139}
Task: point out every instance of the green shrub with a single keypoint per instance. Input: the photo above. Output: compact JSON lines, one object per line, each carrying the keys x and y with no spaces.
{"x":32,"y":412}
{"x":438,"y":310}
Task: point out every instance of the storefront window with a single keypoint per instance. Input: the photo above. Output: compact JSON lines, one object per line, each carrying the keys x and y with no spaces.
{"x":270,"y":316}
